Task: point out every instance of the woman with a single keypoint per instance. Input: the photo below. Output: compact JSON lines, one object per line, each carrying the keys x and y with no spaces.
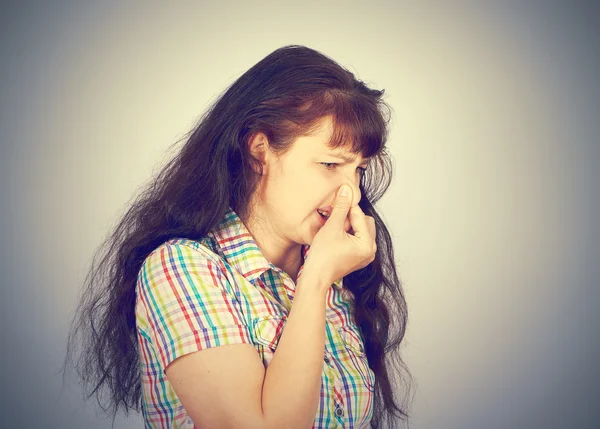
{"x":243,"y":289}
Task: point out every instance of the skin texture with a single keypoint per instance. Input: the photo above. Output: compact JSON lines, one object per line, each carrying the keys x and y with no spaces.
{"x":283,"y":213}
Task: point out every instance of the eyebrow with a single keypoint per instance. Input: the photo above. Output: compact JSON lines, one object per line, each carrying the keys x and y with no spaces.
{"x":348,"y":158}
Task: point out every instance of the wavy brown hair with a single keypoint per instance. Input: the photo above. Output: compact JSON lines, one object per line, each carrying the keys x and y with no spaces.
{"x":283,"y":96}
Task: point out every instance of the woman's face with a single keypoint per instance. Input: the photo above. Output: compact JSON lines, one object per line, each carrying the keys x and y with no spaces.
{"x":304,"y":179}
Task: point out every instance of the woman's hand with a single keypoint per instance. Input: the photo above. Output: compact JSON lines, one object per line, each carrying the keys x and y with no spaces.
{"x":335,"y":253}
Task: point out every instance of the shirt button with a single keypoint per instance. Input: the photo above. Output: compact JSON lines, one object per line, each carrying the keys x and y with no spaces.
{"x":326,"y":360}
{"x":339,"y":412}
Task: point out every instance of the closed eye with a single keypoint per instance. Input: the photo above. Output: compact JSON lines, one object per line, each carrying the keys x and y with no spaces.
{"x":331,"y":166}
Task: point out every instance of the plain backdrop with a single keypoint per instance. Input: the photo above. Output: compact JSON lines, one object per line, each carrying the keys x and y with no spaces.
{"x":493,"y":208}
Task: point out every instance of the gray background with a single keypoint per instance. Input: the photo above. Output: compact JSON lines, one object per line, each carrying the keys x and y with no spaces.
{"x":493,"y":208}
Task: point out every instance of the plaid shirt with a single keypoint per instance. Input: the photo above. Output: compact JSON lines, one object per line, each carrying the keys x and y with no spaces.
{"x":221,"y":290}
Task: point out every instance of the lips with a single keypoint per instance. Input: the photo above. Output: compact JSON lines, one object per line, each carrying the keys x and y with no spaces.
{"x":323,"y":213}
{"x":323,"y":218}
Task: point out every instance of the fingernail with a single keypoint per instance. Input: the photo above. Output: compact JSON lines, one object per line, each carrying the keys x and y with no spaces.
{"x":344,"y":191}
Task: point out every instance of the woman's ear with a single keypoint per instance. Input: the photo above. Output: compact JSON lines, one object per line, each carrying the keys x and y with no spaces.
{"x":258,"y":145}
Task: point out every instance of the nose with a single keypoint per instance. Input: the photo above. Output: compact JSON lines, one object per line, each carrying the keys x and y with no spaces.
{"x":356,"y":195}
{"x":353,"y":183}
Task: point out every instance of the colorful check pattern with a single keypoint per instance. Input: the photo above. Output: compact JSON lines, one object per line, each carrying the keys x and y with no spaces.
{"x":193,"y":295}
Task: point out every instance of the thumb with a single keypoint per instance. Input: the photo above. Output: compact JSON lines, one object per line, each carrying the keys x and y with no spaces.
{"x":341,"y":205}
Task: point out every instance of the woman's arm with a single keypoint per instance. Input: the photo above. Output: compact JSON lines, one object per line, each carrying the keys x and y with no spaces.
{"x":228,"y":387}
{"x":292,"y":385}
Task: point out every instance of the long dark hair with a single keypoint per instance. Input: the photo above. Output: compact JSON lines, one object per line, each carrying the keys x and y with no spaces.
{"x":283,"y":96}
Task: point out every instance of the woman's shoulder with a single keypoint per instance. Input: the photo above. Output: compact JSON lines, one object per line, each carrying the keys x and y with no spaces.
{"x":177,"y":254}
{"x":206,"y":247}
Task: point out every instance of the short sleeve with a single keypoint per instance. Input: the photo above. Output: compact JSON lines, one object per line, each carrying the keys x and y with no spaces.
{"x":185,"y":303}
